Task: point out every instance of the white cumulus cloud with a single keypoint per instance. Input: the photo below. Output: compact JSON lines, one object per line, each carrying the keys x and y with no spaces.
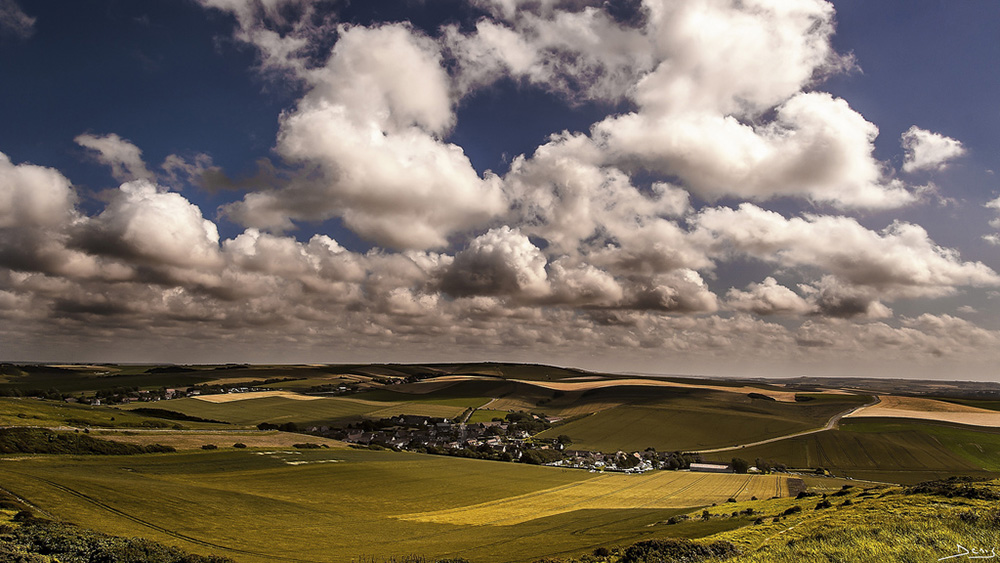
{"x":926,"y":150}
{"x":124,"y":158}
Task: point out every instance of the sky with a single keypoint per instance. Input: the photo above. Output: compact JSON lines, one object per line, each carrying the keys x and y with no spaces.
{"x":705,"y":187}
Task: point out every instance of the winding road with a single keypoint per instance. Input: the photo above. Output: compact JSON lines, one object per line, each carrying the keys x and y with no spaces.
{"x":830,"y":425}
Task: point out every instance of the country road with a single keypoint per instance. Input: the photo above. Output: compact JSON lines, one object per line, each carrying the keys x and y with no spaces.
{"x":830,"y":425}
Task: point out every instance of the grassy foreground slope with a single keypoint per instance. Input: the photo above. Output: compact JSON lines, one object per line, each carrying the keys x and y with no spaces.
{"x":945,"y":520}
{"x":896,"y":527}
{"x":339,"y":505}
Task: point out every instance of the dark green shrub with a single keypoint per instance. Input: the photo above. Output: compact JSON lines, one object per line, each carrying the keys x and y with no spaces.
{"x":656,"y":551}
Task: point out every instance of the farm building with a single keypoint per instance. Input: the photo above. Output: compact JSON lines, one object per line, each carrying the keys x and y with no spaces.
{"x":711,"y":468}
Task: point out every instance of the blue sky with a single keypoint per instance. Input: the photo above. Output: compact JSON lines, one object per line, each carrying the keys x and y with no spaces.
{"x":661,"y":186}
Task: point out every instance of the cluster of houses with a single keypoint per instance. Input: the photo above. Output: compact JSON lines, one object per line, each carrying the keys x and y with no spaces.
{"x":410,"y":432}
{"x":506,"y":441}
{"x":122,"y":396}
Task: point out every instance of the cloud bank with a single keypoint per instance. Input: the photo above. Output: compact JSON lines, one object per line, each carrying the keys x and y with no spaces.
{"x":719,"y":155}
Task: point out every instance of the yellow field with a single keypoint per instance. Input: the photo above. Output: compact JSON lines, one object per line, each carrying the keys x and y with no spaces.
{"x":929,"y":409}
{"x":658,"y":489}
{"x":231,"y":397}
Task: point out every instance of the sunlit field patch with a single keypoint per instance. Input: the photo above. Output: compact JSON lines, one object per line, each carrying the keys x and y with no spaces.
{"x":929,"y":409}
{"x":662,"y":489}
{"x":232,"y":397}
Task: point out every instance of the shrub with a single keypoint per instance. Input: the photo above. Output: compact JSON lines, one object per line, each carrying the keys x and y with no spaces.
{"x":953,"y":487}
{"x":42,"y":441}
{"x":210,"y":447}
{"x":651,"y":551}
{"x":239,"y":445}
{"x":39,"y":540}
{"x":792,"y":510}
{"x":969,"y":517}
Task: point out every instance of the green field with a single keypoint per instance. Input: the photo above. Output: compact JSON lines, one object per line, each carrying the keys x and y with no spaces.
{"x":486,"y":415}
{"x":468,"y":397}
{"x":318,"y":411}
{"x":689,"y":419}
{"x":35,"y":412}
{"x":892,"y":450}
{"x":339,"y":505}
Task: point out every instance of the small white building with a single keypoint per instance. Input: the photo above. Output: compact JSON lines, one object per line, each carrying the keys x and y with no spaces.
{"x":711,"y":468}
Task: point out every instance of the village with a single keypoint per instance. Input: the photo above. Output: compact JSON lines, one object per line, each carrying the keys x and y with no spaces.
{"x":512,"y":439}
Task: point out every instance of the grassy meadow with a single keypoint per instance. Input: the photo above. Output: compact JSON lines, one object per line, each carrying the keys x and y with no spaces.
{"x":34,"y":412}
{"x":891,"y":450}
{"x":342,"y":504}
{"x":317,"y":412}
{"x":691,"y":419}
{"x":871,"y":525}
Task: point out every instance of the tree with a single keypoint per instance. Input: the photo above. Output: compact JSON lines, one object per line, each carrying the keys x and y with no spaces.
{"x":740,"y":465}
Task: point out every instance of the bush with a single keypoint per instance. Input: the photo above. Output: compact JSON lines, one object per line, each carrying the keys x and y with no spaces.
{"x":42,"y":441}
{"x":953,"y":487}
{"x":307,"y":446}
{"x":210,"y":447}
{"x":792,"y":510}
{"x":823,"y":504}
{"x":39,"y":540}
{"x":240,"y":445}
{"x":651,"y":551}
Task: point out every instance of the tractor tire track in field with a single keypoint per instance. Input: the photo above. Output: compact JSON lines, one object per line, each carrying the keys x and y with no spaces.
{"x":638,"y":533}
{"x":163,"y":530}
{"x":743,"y":487}
{"x":568,"y":507}
{"x":676,"y":492}
{"x":24,"y":501}
{"x":417,"y":516}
